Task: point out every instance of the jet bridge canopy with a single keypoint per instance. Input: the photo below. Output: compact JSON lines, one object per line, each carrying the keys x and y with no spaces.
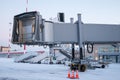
{"x":25,"y":28}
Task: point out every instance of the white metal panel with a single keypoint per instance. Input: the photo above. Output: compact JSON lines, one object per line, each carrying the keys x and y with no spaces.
{"x":101,"y":33}
{"x":65,"y":32}
{"x":48,"y":32}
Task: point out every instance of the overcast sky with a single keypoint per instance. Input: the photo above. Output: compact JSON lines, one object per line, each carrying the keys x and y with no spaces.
{"x":93,"y":11}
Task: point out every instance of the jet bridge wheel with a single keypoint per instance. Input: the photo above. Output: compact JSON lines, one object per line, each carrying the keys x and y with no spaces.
{"x":103,"y":66}
{"x":80,"y":67}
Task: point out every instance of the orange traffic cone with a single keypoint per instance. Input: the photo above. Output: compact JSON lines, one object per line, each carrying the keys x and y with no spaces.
{"x":77,"y":75}
{"x":69,"y":74}
{"x":72,"y":77}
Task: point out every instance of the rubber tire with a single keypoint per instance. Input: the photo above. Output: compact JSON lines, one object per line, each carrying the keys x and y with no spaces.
{"x":50,"y":62}
{"x":103,"y":66}
{"x":82,"y":68}
{"x":39,"y":62}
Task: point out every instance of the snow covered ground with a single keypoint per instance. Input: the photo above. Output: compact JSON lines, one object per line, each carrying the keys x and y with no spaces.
{"x":25,"y":71}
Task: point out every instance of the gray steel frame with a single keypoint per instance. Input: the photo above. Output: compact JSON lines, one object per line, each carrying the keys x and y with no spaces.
{"x":49,"y":33}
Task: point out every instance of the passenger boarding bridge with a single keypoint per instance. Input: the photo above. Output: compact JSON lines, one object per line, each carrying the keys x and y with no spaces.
{"x":31,"y":29}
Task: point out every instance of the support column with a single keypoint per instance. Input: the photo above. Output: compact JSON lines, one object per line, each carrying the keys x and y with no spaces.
{"x":50,"y":48}
{"x":54,"y":58}
{"x":99,"y":57}
{"x":80,"y":36}
{"x":116,"y":59}
{"x":103,"y":57}
{"x":73,"y":52}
